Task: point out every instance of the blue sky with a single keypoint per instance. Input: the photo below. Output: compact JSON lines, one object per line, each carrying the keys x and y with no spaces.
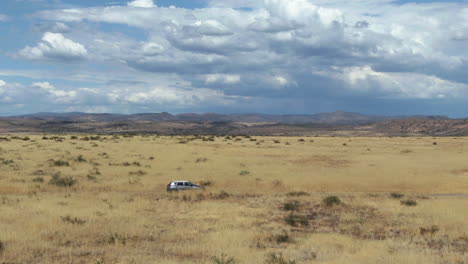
{"x":234,"y":56}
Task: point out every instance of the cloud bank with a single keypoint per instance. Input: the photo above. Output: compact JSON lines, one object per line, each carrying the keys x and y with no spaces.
{"x":274,"y":53}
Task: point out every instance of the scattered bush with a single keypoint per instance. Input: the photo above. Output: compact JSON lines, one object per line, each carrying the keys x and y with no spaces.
{"x":201,"y":160}
{"x":138,"y":173}
{"x":80,"y":158}
{"x":73,"y":137}
{"x":291,"y":206}
{"x":223,"y":259}
{"x":61,"y":163}
{"x":73,"y":220}
{"x":282,"y":238}
{"x":277,"y":258}
{"x":409,"y":202}
{"x":431,"y":230}
{"x":91,"y":177}
{"x":301,"y":140}
{"x":396,"y":195}
{"x":62,"y":181}
{"x":296,"y":220}
{"x":38,"y":180}
{"x":8,"y":162}
{"x":434,"y":143}
{"x":2,"y":246}
{"x":116,"y":238}
{"x":244,"y":172}
{"x":331,"y":200}
{"x":297,"y":193}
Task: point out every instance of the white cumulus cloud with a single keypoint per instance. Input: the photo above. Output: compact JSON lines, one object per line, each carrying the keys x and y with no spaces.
{"x":54,"y":46}
{"x":142,"y":3}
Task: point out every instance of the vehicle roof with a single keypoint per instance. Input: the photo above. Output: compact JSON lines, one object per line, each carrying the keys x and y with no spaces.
{"x":179,"y":181}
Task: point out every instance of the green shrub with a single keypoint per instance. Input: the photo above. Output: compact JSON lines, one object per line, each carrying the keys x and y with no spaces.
{"x":38,"y":180}
{"x":297,"y":194}
{"x":138,"y":173}
{"x":223,"y":259}
{"x":80,"y":158}
{"x":61,"y":163}
{"x":244,"y":172}
{"x":73,"y":220}
{"x":331,"y":200}
{"x":282,"y":238}
{"x":396,"y":195}
{"x":431,"y":230}
{"x":291,"y":206}
{"x":277,"y":258}
{"x":8,"y":162}
{"x":60,"y":181}
{"x":296,"y":220}
{"x":116,"y":238}
{"x":409,"y":202}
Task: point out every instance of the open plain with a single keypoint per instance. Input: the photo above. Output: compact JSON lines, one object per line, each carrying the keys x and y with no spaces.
{"x":275,"y":200}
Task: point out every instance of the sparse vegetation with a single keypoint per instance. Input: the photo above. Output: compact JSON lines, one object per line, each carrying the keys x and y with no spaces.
{"x":62,"y":181}
{"x":409,"y":202}
{"x":223,"y":259}
{"x":61,"y":163}
{"x":296,"y":220}
{"x":73,"y":220}
{"x":112,"y":206}
{"x":244,"y":172}
{"x":291,"y":206}
{"x":331,"y":200}
{"x":277,"y":258}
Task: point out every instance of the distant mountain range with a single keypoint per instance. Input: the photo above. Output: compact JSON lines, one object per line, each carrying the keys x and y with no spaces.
{"x":335,"y":118}
{"x":324,"y":124}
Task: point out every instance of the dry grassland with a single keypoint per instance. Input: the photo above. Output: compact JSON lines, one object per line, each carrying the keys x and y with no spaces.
{"x":90,"y":199}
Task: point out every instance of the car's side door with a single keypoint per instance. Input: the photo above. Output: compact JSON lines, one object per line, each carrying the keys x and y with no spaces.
{"x":180,"y":186}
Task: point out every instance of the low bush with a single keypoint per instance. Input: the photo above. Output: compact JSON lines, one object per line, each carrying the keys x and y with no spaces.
{"x":61,"y":163}
{"x":80,"y":158}
{"x":282,"y":238}
{"x":223,"y":259}
{"x":296,"y":220}
{"x":60,"y":181}
{"x":244,"y":172}
{"x":73,"y":220}
{"x":331,"y":200}
{"x":117,"y":238}
{"x":409,"y":202}
{"x":430,"y":230}
{"x":396,"y":195}
{"x":297,"y":193}
{"x":277,"y":258}
{"x":38,"y":180}
{"x":291,"y":206}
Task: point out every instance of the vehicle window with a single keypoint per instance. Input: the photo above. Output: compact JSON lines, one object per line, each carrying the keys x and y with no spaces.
{"x":187,"y":183}
{"x":180,"y":183}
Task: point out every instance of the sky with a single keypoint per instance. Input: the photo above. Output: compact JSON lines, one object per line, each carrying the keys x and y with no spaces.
{"x":386,"y":57}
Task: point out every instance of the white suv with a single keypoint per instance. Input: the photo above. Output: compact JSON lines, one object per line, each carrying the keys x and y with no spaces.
{"x":182,"y":185}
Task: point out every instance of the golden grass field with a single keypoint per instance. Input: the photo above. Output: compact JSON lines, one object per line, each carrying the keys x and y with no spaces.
{"x":263,"y":201}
